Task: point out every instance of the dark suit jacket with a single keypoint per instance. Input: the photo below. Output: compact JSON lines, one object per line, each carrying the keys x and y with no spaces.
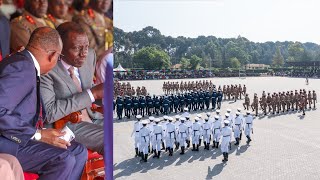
{"x":18,"y":101}
{"x":4,"y":36}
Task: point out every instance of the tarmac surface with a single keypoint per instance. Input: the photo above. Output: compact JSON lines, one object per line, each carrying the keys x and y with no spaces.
{"x":284,"y":146}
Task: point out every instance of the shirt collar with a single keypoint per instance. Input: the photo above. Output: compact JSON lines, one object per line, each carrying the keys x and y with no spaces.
{"x":36,"y":64}
{"x":65,"y":65}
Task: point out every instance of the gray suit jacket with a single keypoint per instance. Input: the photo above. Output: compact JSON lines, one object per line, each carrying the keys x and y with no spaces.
{"x":59,"y":93}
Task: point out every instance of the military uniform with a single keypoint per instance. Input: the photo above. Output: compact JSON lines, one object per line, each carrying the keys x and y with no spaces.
{"x":136,"y":129}
{"x":22,"y":27}
{"x":120,"y":105}
{"x":226,"y":133}
{"x":157,"y":137}
{"x":56,"y":22}
{"x":144,"y":141}
{"x":170,"y":135}
{"x":99,"y":29}
{"x":248,"y":126}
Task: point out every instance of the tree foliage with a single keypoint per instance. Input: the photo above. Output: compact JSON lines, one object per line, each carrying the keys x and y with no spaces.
{"x":213,"y":52}
{"x":278,"y":59}
{"x":151,"y":58}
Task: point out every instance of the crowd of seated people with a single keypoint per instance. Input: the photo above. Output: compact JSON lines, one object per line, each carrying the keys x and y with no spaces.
{"x":51,"y":52}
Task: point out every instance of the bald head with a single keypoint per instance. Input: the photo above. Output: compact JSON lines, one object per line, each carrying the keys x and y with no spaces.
{"x":46,"y":45}
{"x":45,"y":38}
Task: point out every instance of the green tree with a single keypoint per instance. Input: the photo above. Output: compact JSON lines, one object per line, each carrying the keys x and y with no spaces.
{"x":151,"y":58}
{"x":195,"y":62}
{"x":278,"y":59}
{"x":235,"y":63}
{"x":296,"y":51}
{"x":185,"y":63}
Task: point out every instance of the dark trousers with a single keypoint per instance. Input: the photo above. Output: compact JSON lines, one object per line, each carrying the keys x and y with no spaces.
{"x":52,"y":163}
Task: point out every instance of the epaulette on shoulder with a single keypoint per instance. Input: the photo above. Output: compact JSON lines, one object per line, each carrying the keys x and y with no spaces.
{"x":17,"y":19}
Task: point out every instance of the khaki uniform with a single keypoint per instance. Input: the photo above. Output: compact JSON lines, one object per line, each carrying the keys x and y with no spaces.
{"x":56,"y":22}
{"x":23,"y":26}
{"x":99,"y":29}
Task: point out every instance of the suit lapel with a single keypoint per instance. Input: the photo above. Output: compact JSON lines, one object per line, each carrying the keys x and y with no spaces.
{"x":85,"y":76}
{"x":60,"y":69}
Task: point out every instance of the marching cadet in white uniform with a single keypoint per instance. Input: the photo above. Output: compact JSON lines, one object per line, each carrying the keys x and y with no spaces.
{"x":237,"y":128}
{"x":226,"y":138}
{"x":242,"y":119}
{"x":201,"y":121}
{"x":196,"y":129}
{"x":185,"y":112}
{"x":211,"y":121}
{"x":144,"y":140}
{"x":231,"y":118}
{"x":218,"y":114}
{"x":164,"y":125}
{"x":157,"y":138}
{"x":177,"y":123}
{"x":136,"y":128}
{"x":216,"y":131}
{"x":150,"y":127}
{"x":189,"y":124}
{"x":170,"y":135}
{"x":248,"y":126}
{"x":183,"y":133}
{"x":227,"y":117}
{"x":206,"y":133}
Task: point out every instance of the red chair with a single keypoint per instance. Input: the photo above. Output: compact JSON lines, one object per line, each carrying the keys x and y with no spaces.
{"x":30,"y":176}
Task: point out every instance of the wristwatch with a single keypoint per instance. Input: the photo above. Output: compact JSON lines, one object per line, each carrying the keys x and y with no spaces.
{"x":37,"y":135}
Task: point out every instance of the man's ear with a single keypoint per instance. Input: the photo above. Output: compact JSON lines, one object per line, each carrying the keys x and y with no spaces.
{"x":53,"y":56}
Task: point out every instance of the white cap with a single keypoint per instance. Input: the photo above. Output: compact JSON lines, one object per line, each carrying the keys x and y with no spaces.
{"x":237,"y":113}
{"x":182,"y":119}
{"x":144,"y":122}
{"x":248,"y":112}
{"x":239,"y":109}
{"x":196,"y":119}
{"x":185,"y":109}
{"x":226,"y":121}
{"x":170,"y":119}
{"x":228,"y":110}
{"x":165,"y":117}
{"x":188,"y":116}
{"x":206,"y":118}
{"x":157,"y":120}
{"x":227,"y":114}
{"x":199,"y":115}
{"x":218,"y":111}
{"x":151,"y":118}
{"x":177,"y":117}
{"x":208,"y":113}
{"x":138,"y":116}
{"x":216,"y":117}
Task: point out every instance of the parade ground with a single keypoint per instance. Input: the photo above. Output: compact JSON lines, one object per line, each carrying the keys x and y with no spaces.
{"x":284,"y":146}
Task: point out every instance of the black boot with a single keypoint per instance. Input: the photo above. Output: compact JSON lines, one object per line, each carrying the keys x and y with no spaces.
{"x":214,"y":144}
{"x":167,"y":149}
{"x":224,"y":157}
{"x":188,"y":143}
{"x":145,"y":157}
{"x":217,"y":146}
{"x":159,"y":152}
{"x":200,"y":142}
{"x":149,"y":149}
{"x":197,"y":147}
{"x":142,"y":156}
{"x":227,"y":154}
{"x":249,"y":139}
{"x":177,"y":145}
{"x":182,"y":150}
{"x":193,"y":147}
{"x":137,"y":153}
{"x":155,"y":154}
{"x":170,"y":151}
{"x":237,"y":142}
{"x":240,"y":135}
{"x":162,"y":146}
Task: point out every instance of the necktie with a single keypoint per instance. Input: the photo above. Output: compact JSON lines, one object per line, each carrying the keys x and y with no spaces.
{"x":85,"y":115}
{"x":39,"y":117}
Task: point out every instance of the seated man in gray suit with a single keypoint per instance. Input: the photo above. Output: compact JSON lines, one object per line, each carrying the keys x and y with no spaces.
{"x":68,"y":87}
